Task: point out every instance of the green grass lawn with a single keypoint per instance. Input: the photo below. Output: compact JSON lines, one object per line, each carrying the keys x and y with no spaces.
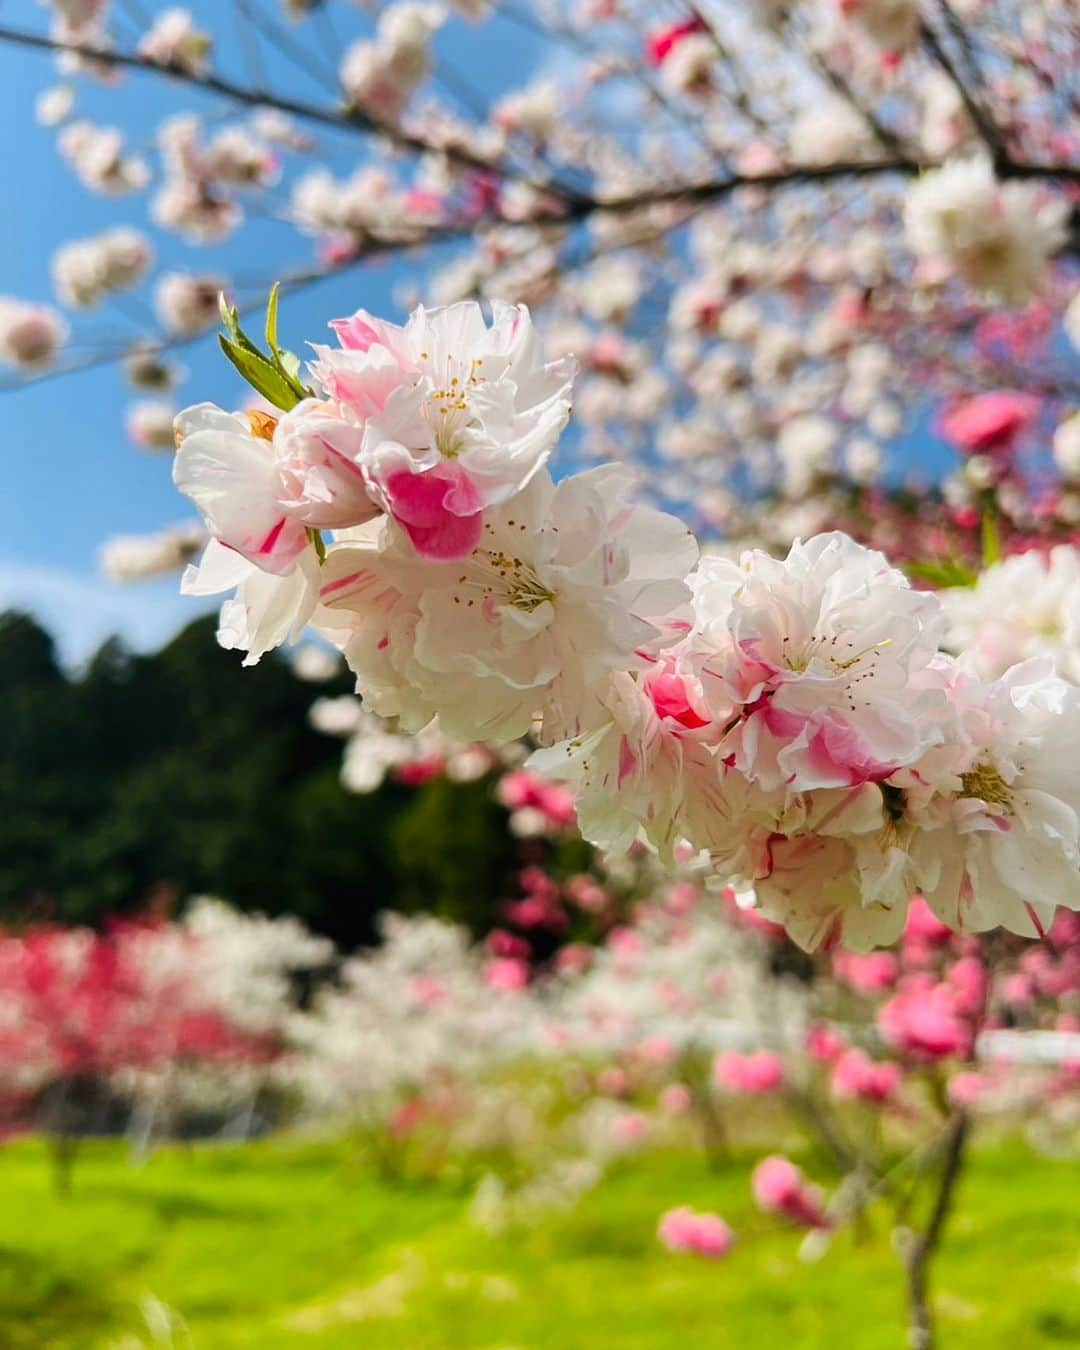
{"x":286,"y":1244}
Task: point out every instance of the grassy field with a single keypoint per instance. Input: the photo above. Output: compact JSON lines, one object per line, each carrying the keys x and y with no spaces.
{"x":287,"y":1244}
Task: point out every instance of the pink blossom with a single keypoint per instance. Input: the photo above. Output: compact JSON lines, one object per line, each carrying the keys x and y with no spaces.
{"x":1018,"y":991}
{"x":751,"y":1075}
{"x":613,"y":1081}
{"x":625,"y":944}
{"x":924,"y":925}
{"x":1065,"y":930}
{"x":683,"y":1230}
{"x":682,"y":898}
{"x":539,"y":885}
{"x":866,"y":974}
{"x":969,"y":980}
{"x":965,"y":1089}
{"x":924,"y":934}
{"x":507,"y":974}
{"x":538,"y":912}
{"x":922,"y":1022}
{"x":418,"y":772}
{"x":509,"y":945}
{"x":631,"y":1128}
{"x":824,"y":1044}
{"x":427,"y":991}
{"x":856,"y":1076}
{"x":456,"y":417}
{"x":779,"y":1187}
{"x":657,"y":1050}
{"x":439,"y":510}
{"x":587,"y":894}
{"x":676,"y":697}
{"x":989,"y":424}
{"x":1066,"y":1081}
{"x":676,"y":1099}
{"x":574,"y":958}
{"x":524,"y":790}
{"x":660,"y":43}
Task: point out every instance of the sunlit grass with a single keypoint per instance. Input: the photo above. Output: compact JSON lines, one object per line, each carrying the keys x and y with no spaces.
{"x":286,"y":1244}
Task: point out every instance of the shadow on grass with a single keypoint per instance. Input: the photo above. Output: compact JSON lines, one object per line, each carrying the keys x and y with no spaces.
{"x":40,"y":1304}
{"x":173,"y":1206}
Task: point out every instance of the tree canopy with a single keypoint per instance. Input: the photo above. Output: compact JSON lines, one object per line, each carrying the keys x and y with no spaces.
{"x":143,"y":779}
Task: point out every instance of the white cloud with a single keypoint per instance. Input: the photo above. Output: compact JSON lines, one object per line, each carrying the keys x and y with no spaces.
{"x":82,"y":610}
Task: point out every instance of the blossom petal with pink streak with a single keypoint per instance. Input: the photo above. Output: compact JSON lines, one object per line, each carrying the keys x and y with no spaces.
{"x":232,"y":478}
{"x":438,"y":509}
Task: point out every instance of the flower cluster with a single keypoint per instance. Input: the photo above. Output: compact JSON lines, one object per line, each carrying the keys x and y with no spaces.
{"x":793,"y":719}
{"x":164,"y":1016}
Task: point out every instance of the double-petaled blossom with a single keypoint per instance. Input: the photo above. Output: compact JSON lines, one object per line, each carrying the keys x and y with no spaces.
{"x":566,"y":585}
{"x":1028,"y":605}
{"x":999,"y":237}
{"x":998,"y":837}
{"x":456,"y":417}
{"x":225,"y":464}
{"x":817,"y":656}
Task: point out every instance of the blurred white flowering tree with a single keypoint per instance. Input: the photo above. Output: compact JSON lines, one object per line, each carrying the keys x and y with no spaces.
{"x":774,"y":234}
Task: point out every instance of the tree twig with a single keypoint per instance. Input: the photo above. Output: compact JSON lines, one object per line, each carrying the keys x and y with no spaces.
{"x":925,"y":1244}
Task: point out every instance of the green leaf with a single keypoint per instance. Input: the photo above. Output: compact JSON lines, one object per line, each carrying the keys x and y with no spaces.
{"x":991,"y":538}
{"x":263,"y":376}
{"x":230,"y":318}
{"x":945,"y":573}
{"x":271,"y":317}
{"x":315,"y":537}
{"x":288,"y":363}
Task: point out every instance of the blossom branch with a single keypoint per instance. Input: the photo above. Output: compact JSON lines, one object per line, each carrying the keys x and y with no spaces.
{"x":988,"y":132}
{"x":349,"y":119}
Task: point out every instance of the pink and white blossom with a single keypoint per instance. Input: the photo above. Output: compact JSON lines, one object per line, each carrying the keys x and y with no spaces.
{"x":457,"y":417}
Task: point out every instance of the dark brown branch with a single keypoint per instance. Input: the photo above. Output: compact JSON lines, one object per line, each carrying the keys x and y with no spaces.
{"x":925,"y":1244}
{"x":988,"y":133}
{"x":693,"y":195}
{"x":344,"y":119}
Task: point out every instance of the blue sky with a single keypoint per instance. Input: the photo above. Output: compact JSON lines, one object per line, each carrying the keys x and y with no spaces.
{"x":72,"y":478}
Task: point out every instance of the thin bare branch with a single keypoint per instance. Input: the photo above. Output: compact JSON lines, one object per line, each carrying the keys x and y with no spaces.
{"x":352,"y":120}
{"x":988,"y":133}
